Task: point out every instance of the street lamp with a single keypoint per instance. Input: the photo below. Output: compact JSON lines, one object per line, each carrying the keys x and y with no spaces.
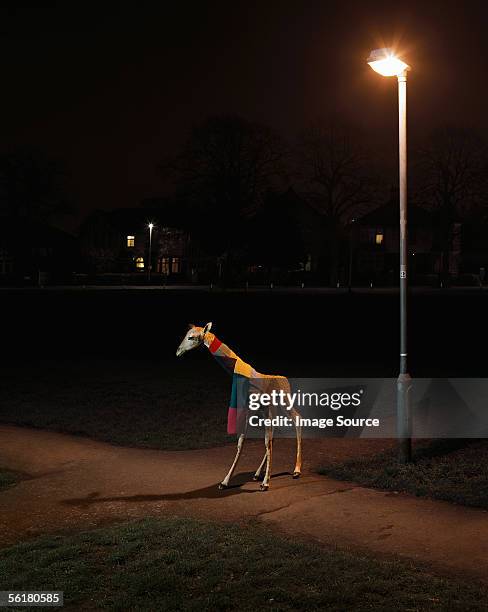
{"x":149,"y":263}
{"x":386,"y":63}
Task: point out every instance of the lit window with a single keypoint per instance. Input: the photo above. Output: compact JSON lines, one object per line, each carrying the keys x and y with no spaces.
{"x":140,"y":263}
{"x":130,"y":241}
{"x":164,"y":265}
{"x":379,"y":238}
{"x":175,"y":265}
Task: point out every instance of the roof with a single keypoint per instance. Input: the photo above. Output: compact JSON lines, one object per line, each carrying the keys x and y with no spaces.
{"x":388,"y":216}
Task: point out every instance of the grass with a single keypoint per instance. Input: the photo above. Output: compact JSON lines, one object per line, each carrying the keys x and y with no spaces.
{"x":165,"y":405}
{"x":452,"y":470}
{"x":181,"y":564}
{"x":7,"y":479}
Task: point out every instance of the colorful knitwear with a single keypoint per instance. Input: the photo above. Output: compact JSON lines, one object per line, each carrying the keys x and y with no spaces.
{"x":241,"y":373}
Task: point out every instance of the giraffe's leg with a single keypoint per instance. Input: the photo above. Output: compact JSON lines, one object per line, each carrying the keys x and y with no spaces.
{"x":225,"y":483}
{"x":260,"y":468}
{"x":298,"y":465}
{"x":268,"y":442}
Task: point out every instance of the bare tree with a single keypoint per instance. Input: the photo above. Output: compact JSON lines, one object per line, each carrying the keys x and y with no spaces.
{"x":334,"y":178}
{"x":31,"y":186}
{"x":452,"y":180}
{"x":222,"y":176}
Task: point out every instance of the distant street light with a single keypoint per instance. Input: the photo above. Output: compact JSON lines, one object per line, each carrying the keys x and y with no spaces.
{"x":149,"y":263}
{"x":386,"y":63}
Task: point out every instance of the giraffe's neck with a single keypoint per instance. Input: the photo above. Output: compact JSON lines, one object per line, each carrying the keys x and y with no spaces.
{"x":214,"y":344}
{"x":209,"y":338}
{"x":226,"y":357}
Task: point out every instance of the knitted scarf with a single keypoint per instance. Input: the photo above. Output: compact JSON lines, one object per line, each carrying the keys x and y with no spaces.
{"x":241,"y":373}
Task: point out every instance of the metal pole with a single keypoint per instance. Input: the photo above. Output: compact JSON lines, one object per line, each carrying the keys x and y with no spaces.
{"x":350,"y":255}
{"x":149,"y":262}
{"x":404,"y":380}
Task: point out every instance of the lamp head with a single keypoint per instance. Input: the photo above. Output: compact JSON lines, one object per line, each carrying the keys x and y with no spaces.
{"x":385,"y":62}
{"x":150,"y":226}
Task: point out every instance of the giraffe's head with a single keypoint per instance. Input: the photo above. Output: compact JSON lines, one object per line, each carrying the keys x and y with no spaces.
{"x":193,"y":338}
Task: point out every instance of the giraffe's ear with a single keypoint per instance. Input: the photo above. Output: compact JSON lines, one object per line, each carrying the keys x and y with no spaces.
{"x":190,"y":326}
{"x":207,"y":328}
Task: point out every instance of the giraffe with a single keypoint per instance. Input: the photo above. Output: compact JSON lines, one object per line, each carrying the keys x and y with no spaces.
{"x":263,"y":383}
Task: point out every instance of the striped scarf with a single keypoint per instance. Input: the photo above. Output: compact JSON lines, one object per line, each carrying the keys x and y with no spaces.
{"x":241,"y":373}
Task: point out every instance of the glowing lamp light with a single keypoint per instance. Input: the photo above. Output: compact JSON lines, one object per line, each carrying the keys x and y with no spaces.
{"x":150,"y":226}
{"x":386,"y":63}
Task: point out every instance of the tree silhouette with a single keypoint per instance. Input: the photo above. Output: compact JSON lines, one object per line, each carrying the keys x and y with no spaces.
{"x":334,"y":179}
{"x":222,"y":177}
{"x":31,"y":186}
{"x":452,"y":180}
{"x":276,"y":236}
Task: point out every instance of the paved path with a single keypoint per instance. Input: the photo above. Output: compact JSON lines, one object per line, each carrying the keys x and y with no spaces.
{"x":77,"y":483}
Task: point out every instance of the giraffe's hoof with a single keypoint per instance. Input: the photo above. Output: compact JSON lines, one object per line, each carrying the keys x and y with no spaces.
{"x":223,"y":486}
{"x":264,"y":487}
{"x":257,"y":477}
{"x":296,"y":475}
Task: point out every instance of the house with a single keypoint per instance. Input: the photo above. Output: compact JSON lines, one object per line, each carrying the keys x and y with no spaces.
{"x":117,"y":242}
{"x":375,"y":240}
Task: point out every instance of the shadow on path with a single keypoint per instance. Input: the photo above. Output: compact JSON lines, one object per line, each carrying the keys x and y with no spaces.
{"x":211,"y":492}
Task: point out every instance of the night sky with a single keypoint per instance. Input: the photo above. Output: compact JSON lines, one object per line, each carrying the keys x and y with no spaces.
{"x":112,"y":88}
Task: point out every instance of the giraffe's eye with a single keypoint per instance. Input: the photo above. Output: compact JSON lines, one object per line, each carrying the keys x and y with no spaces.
{"x":192,"y":338}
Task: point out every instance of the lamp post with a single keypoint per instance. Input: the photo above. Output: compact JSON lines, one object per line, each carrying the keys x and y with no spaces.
{"x":351,"y":230}
{"x":386,"y":63}
{"x":149,"y":263}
